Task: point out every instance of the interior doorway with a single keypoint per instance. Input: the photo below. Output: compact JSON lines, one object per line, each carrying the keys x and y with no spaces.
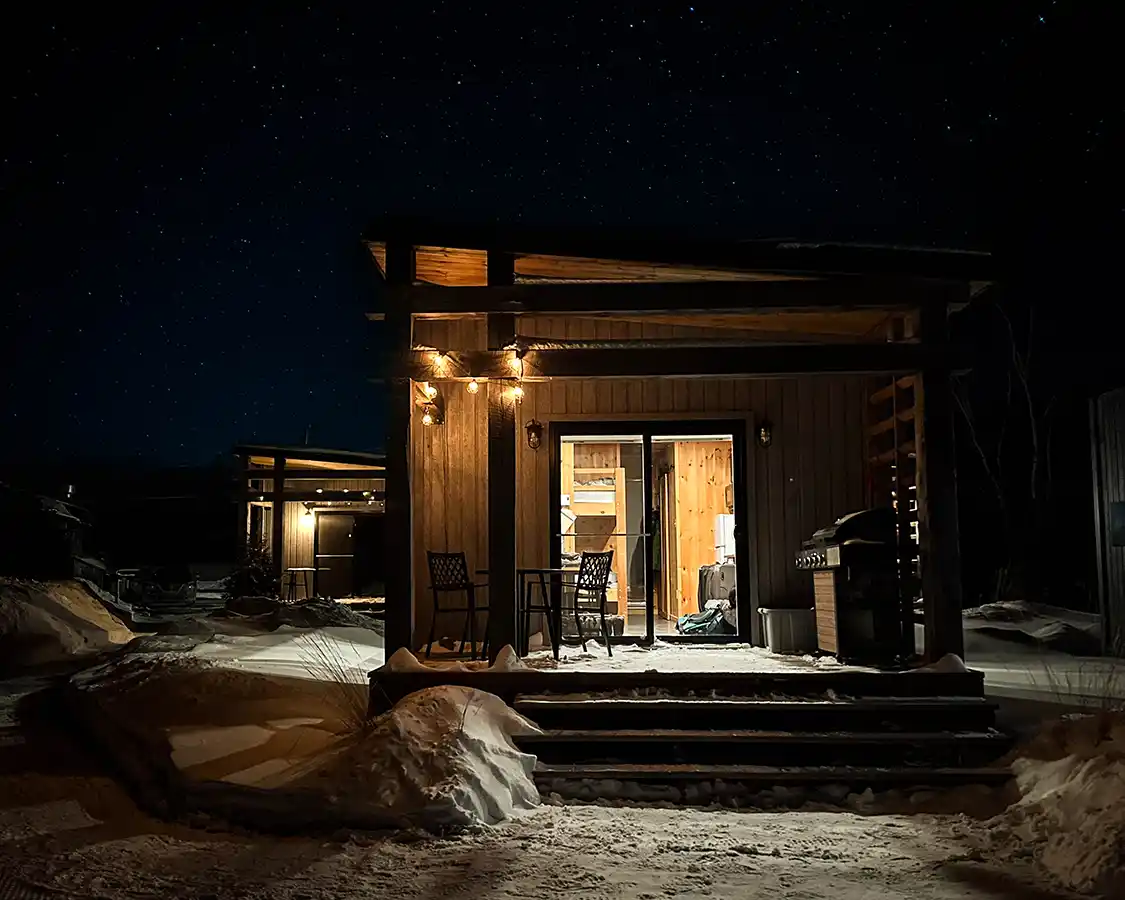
{"x":666,"y":501}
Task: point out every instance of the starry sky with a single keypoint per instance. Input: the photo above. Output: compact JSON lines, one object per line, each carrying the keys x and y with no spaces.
{"x":184,"y":193}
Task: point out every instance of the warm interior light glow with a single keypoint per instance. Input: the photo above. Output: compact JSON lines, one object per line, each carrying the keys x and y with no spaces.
{"x":439,"y":357}
{"x":472,"y":387}
{"x":516,"y":363}
{"x":517,"y":392}
{"x":429,"y":390}
{"x":427,"y":418}
{"x":308,"y":520}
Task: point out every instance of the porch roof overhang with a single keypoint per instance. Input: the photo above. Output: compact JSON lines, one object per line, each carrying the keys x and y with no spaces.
{"x":354,"y":463}
{"x":456,"y":255}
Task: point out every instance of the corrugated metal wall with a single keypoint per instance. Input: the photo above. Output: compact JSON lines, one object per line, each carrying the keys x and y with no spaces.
{"x":1109,"y":452}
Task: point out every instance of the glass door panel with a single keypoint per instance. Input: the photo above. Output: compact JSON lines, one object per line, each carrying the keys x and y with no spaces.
{"x":602,"y":507}
{"x":694,"y":558}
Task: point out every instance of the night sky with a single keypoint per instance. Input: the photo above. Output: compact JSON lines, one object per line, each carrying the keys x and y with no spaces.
{"x":184,"y":195}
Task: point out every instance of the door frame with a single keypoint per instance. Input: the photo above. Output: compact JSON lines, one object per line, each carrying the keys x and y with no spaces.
{"x":737,"y":428}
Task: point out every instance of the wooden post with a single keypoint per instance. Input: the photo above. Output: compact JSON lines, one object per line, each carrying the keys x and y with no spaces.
{"x":399,"y":540}
{"x":936,"y":464}
{"x":277,"y":529}
{"x":502,"y":582}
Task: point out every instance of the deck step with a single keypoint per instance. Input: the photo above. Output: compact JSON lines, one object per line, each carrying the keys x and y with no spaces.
{"x":868,"y":714}
{"x":773,"y":748}
{"x":705,"y":783}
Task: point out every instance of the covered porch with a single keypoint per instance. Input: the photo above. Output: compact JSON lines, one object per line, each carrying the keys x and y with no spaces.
{"x":319,"y":514}
{"x":549,"y":394}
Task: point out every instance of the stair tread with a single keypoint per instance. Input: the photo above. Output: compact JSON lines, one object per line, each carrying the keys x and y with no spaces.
{"x":755,"y":735}
{"x":532,"y":700}
{"x":650,"y":771}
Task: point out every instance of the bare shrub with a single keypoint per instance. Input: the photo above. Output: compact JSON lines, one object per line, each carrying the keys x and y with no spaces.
{"x":324,"y":662}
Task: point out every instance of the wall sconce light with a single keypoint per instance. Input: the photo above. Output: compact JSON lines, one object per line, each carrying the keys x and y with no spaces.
{"x":517,"y":393}
{"x":534,"y":434}
{"x":429,"y":390}
{"x":765,"y":433}
{"x":472,"y":387}
{"x":427,"y":417}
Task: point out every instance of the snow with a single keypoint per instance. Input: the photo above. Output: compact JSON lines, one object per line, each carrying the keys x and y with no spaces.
{"x":589,"y":852}
{"x":46,"y":622}
{"x":1070,"y":816}
{"x":949,"y":663}
{"x":667,"y":657}
{"x":276,"y":735}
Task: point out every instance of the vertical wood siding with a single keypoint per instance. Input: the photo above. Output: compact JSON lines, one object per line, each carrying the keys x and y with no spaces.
{"x":1110,"y":423}
{"x":812,"y":473}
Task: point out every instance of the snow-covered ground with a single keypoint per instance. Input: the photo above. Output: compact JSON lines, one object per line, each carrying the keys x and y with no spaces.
{"x":582,"y":852}
{"x":666,"y":657}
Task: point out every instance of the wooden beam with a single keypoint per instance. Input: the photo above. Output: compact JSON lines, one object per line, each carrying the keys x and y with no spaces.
{"x":356,"y":497}
{"x":501,"y":517}
{"x":292,"y":474}
{"x":399,"y":532}
{"x":843,"y":292}
{"x":277,"y":528}
{"x":936,"y":491}
{"x":688,"y":362}
{"x":502,"y":581}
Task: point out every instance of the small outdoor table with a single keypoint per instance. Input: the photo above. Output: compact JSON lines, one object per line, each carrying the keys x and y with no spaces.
{"x":528,"y":577}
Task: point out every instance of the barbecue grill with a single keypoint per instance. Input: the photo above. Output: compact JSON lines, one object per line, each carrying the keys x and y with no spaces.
{"x":856,"y":589}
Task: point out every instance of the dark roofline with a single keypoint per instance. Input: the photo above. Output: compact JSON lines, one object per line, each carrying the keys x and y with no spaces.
{"x":636,"y":244}
{"x":317,"y":454}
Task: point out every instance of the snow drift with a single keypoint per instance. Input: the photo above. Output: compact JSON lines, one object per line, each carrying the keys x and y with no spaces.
{"x":195,"y":734}
{"x":46,"y":622}
{"x":1071,"y":813}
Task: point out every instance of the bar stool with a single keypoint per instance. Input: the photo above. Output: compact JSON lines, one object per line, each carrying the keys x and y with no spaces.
{"x":297,"y":573}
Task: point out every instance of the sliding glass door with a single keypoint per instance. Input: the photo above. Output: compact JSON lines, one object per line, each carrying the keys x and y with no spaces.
{"x":662,"y":497}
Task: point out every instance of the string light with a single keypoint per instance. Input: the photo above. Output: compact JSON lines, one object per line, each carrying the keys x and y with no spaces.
{"x":472,"y":387}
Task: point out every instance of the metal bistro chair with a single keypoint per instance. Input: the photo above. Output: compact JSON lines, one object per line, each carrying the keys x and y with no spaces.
{"x":590,"y":589}
{"x":449,"y":574}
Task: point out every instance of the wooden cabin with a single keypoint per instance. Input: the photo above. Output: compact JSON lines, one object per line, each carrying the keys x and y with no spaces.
{"x":688,"y":404}
{"x":320,"y":513}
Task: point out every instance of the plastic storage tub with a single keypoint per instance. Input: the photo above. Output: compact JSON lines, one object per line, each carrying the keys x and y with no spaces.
{"x":790,"y":630}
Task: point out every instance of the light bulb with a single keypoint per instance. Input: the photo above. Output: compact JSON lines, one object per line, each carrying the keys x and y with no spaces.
{"x":429,"y":390}
{"x":517,"y":392}
{"x":427,"y":419}
{"x":472,"y":387}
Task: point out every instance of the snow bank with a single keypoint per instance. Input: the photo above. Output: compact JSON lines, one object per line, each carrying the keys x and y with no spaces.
{"x":199,"y":730}
{"x":441,"y":758}
{"x":1071,"y":813}
{"x":949,"y":663}
{"x":45,"y":622}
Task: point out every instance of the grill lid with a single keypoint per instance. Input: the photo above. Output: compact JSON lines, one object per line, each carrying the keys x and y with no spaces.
{"x":875,"y":525}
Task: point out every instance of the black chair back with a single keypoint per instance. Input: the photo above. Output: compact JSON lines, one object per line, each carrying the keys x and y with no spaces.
{"x":593,"y":574}
{"x":448,"y":571}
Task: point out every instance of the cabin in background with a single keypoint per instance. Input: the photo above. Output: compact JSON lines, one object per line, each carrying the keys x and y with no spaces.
{"x":751,"y":393}
{"x":320,"y":513}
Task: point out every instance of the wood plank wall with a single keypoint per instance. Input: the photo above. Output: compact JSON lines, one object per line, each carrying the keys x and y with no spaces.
{"x":1109,"y":414}
{"x":812,"y":473}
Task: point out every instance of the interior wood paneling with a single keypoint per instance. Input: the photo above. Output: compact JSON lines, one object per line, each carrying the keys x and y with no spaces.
{"x":702,"y":471}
